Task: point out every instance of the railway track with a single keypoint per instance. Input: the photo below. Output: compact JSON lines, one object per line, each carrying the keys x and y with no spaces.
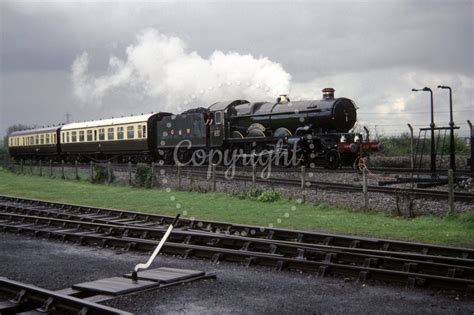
{"x":35,"y":300}
{"x":340,"y":187}
{"x":202,"y":172}
{"x":413,"y":264}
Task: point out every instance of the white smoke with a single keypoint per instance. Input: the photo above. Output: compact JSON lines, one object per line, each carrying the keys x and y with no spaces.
{"x":161,"y":67}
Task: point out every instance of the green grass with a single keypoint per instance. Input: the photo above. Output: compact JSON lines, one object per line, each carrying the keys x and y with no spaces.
{"x":455,"y":230}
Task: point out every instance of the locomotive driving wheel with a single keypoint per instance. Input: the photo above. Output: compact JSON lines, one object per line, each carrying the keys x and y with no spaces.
{"x":333,"y":160}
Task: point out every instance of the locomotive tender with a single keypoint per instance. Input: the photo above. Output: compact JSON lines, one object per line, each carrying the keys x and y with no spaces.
{"x":316,"y":131}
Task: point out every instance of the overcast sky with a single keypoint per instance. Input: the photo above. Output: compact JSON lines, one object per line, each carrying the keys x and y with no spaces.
{"x":103,"y":59}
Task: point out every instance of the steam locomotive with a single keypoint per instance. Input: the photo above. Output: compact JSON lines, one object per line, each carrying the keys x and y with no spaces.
{"x":315,"y":132}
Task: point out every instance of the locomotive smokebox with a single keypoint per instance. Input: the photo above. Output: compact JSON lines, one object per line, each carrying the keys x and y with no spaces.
{"x":328,"y":93}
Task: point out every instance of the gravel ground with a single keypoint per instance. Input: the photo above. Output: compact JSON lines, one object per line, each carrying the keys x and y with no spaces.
{"x":389,"y":204}
{"x":55,"y":265}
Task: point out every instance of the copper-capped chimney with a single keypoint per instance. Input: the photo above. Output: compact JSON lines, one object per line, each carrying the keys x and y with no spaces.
{"x":283,"y":98}
{"x":328,"y":93}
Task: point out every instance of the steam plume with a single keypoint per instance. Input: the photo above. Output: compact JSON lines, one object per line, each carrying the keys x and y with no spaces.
{"x":161,"y":67}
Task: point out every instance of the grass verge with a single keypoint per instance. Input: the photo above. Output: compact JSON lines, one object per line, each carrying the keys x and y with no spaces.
{"x":455,"y":230}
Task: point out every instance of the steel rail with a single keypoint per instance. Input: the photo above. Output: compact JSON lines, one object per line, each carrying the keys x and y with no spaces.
{"x":365,"y":267}
{"x":116,"y":216}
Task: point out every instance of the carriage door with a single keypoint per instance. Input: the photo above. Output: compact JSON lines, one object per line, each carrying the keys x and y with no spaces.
{"x":217,"y":130}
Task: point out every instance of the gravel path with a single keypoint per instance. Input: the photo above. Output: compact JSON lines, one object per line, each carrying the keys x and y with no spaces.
{"x":237,"y":290}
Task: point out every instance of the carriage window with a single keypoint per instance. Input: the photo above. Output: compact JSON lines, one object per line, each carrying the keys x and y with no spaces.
{"x":67,"y":137}
{"x":54,"y":138}
{"x":74,"y":136}
{"x":36,"y":139}
{"x":130,"y":132}
{"x":89,"y":135}
{"x":219,"y":118}
{"x":120,"y":133}
{"x":41,"y":139}
{"x":110,"y":133}
{"x":102,"y":134}
{"x":95,"y":135}
{"x":47,"y":138}
{"x":140,"y":132}
{"x":62,"y":137}
{"x":81,"y":135}
{"x":144,"y":131}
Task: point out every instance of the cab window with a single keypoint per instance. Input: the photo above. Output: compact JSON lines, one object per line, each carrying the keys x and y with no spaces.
{"x":219,"y":118}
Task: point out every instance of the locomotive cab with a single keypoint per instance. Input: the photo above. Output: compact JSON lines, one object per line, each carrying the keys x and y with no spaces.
{"x":217,"y":129}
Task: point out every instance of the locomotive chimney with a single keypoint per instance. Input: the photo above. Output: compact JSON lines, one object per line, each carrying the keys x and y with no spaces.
{"x":283,"y":98}
{"x":328,"y":93}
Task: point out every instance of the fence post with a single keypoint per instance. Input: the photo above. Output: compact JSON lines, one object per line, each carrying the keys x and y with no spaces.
{"x":152,"y":174}
{"x":91,"y":171}
{"x":214,"y":177}
{"x":303,"y":176}
{"x":76,"y":171}
{"x":179,"y":176}
{"x":130,"y":173}
{"x":63,"y":176}
{"x":254,"y":175}
{"x":451,"y":191}
{"x":109,"y":172}
{"x":40,"y":168}
{"x":365,"y":188}
{"x":191,"y":180}
{"x":50,"y":168}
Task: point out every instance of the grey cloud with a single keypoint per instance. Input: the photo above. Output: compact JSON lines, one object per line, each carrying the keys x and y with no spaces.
{"x":323,"y":41}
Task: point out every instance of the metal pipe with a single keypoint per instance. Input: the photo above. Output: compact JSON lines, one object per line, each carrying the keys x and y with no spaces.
{"x":156,"y":251}
{"x":412,"y":157}
{"x":452,"y":157}
{"x":471,"y":133}
{"x":432,"y":126}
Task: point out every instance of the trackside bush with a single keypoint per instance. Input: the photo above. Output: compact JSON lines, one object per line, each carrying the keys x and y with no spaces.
{"x":258,"y":195}
{"x":143,"y":176}
{"x":269,"y":196}
{"x":101,"y":174}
